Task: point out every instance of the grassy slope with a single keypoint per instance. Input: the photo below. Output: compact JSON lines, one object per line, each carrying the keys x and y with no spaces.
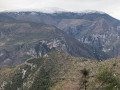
{"x":58,"y":70}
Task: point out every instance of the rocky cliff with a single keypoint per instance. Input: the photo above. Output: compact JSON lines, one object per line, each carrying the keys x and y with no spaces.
{"x":20,"y":40}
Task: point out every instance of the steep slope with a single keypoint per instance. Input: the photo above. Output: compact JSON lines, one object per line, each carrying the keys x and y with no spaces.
{"x":94,"y":28}
{"x":20,"y":40}
{"x":54,"y":71}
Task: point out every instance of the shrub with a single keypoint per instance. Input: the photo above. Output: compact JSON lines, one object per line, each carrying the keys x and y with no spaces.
{"x":107,"y":80}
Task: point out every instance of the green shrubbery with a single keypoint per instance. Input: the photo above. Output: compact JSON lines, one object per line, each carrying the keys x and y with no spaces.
{"x":107,"y":80}
{"x":15,"y":83}
{"x":42,"y":81}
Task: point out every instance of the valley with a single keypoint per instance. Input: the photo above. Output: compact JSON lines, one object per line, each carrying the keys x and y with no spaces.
{"x":54,"y":51}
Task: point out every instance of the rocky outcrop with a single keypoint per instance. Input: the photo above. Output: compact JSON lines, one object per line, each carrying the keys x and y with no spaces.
{"x":24,"y":39}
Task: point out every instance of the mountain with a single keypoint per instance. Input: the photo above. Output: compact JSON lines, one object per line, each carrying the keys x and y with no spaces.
{"x":55,"y":71}
{"x":4,"y":18}
{"x":20,"y":40}
{"x":94,"y":28}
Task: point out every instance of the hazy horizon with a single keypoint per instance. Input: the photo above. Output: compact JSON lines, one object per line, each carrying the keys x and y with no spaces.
{"x":108,"y":6}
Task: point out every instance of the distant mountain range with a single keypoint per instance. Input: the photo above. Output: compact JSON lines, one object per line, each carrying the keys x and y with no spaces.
{"x":94,"y":28}
{"x":20,"y":40}
{"x":47,"y":51}
{"x":97,"y":34}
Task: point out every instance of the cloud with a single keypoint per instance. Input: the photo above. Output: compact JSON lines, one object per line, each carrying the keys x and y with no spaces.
{"x":111,"y":7}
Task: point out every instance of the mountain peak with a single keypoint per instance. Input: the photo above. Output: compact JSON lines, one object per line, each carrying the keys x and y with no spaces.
{"x":92,"y":11}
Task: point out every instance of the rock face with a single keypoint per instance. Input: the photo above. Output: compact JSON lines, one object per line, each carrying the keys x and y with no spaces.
{"x":20,"y":40}
{"x":94,"y":28}
{"x":102,"y":32}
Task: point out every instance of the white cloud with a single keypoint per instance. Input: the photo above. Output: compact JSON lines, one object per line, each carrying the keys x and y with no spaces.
{"x":111,"y":7}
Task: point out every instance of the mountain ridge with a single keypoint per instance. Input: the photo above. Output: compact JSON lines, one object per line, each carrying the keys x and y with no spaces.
{"x":91,"y":28}
{"x":21,"y":40}
{"x":60,"y":71}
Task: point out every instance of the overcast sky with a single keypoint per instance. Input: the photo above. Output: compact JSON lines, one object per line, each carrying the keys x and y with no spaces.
{"x":111,"y":7}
